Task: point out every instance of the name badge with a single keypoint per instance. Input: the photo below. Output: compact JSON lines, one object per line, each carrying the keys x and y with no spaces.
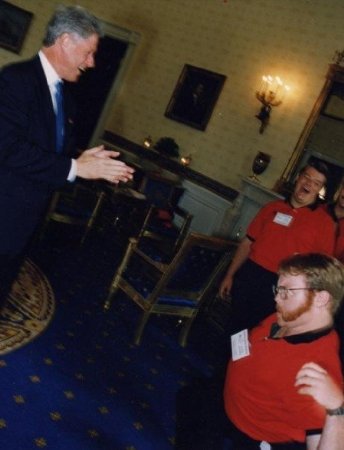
{"x":283,"y":219}
{"x":240,"y":345}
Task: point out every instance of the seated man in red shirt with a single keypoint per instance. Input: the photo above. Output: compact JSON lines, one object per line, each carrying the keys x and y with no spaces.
{"x":261,"y":399}
{"x":315,"y":381}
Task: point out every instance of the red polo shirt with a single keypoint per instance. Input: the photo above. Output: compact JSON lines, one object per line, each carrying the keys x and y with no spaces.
{"x":279,"y":230}
{"x":339,"y":242}
{"x":260,"y":397}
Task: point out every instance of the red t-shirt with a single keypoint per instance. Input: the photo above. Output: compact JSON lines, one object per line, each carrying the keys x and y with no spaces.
{"x":339,"y":247}
{"x":279,"y":231}
{"x":260,"y":397}
{"x":339,"y":241}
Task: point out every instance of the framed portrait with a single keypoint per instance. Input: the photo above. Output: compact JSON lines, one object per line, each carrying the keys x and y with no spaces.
{"x":195,"y":96}
{"x":14,"y":24}
{"x":334,"y":105}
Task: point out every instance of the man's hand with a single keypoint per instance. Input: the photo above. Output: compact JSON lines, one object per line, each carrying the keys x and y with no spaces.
{"x":98,"y":163}
{"x":241,"y":255}
{"x":316,"y":382}
{"x":225,"y":286}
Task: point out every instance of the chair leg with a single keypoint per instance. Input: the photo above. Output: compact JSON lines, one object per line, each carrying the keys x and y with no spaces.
{"x":184,"y":332}
{"x":116,"y":279}
{"x":141,"y":326}
{"x":93,"y":217}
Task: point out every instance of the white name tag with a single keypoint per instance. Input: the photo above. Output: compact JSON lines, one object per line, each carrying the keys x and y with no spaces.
{"x":240,"y":345}
{"x":265,"y":446}
{"x":283,"y":219}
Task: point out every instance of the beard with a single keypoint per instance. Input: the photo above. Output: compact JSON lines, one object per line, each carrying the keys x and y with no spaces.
{"x":291,"y":315}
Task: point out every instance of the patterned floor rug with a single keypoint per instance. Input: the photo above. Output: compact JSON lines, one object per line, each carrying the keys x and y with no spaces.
{"x":29,"y":309}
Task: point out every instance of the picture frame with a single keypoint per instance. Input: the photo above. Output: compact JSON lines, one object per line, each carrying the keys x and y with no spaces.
{"x":14,"y":25}
{"x":334,"y":105}
{"x":194,"y":97}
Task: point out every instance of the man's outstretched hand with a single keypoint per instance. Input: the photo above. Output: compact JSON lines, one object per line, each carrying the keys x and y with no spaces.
{"x":99,"y":163}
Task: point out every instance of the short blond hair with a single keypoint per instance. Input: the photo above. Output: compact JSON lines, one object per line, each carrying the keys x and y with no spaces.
{"x":322,"y":273}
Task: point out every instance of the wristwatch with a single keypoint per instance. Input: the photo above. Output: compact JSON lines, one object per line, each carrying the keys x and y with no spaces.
{"x":337,"y":411}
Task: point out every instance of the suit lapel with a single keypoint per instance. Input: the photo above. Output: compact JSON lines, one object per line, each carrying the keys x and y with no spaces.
{"x":43,"y":93}
{"x":47,"y":105}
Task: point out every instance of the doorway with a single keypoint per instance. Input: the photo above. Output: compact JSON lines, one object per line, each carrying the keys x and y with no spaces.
{"x":97,"y":87}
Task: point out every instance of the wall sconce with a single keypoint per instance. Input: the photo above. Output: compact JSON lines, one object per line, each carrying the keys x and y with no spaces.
{"x":271,"y":93}
{"x":148,"y":142}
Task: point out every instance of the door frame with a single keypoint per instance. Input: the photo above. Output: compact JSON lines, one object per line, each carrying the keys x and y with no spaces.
{"x":132,"y":39}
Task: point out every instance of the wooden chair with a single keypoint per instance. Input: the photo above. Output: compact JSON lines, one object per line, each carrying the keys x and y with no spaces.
{"x":160,"y":191}
{"x":160,"y":237}
{"x":167,"y":224}
{"x":150,"y":213}
{"x":77,"y":204}
{"x":178,"y":288}
{"x":124,"y":212}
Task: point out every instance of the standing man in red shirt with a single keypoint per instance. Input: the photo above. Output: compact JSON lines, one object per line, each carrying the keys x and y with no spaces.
{"x":336,"y":210}
{"x":280,"y":229}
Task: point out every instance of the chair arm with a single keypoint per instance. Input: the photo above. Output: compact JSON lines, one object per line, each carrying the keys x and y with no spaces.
{"x":184,"y":229}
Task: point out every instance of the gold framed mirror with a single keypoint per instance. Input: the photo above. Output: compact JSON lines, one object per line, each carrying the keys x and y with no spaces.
{"x":323,"y":135}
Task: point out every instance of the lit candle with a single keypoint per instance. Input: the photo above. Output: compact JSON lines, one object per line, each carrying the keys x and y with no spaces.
{"x":278,"y":85}
{"x":263,"y":85}
{"x":269,"y":85}
{"x":286,"y":89}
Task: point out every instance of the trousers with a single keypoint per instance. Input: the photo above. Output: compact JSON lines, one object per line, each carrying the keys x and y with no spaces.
{"x":9,"y":268}
{"x":252,"y":297}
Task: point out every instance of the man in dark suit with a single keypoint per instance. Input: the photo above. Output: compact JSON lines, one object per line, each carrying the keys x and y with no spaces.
{"x":37,"y":153}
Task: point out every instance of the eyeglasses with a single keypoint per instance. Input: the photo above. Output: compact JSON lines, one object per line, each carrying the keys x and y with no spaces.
{"x":318,"y":184}
{"x":285,"y":293}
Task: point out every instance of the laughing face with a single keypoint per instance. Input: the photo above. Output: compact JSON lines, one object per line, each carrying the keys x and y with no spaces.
{"x":77,"y":55}
{"x":307,"y":187}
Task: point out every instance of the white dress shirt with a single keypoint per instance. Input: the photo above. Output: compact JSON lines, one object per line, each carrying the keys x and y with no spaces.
{"x":52,"y":78}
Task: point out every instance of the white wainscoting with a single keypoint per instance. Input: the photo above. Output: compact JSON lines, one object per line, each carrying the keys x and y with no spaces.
{"x":252,"y":197}
{"x":212,"y":214}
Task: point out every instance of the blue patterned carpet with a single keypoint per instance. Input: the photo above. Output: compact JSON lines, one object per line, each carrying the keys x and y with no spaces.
{"x":82,"y":385}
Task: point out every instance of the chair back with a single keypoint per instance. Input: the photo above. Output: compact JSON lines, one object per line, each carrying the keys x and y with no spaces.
{"x":194,"y":269}
{"x":197,"y":261}
{"x":178,"y":288}
{"x":166,"y":225}
{"x":161,"y":192}
{"x":75,"y":204}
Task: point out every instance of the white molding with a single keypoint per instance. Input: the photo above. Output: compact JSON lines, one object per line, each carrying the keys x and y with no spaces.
{"x":211,"y":212}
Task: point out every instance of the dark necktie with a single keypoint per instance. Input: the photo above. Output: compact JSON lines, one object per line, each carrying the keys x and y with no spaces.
{"x":59,"y":116}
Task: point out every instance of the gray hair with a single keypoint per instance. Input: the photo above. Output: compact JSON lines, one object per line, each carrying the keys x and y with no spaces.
{"x":74,"y":20}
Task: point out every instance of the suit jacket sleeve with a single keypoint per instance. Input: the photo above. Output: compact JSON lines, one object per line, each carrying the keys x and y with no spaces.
{"x":27,"y":126}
